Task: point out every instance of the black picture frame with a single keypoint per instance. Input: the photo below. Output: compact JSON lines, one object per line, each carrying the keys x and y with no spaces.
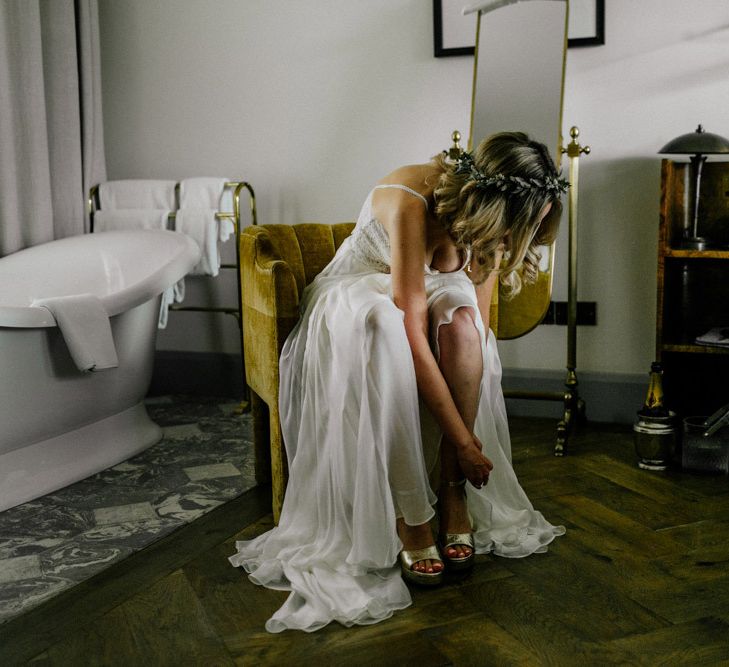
{"x":441,"y":51}
{"x":596,"y":39}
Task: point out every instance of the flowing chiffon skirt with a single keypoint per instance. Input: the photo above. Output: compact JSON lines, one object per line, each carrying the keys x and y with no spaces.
{"x":361,"y":447}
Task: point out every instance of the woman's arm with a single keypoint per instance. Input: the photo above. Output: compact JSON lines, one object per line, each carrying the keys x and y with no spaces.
{"x":406,"y":224}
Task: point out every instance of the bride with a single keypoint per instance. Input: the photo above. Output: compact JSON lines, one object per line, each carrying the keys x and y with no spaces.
{"x":390,"y":394}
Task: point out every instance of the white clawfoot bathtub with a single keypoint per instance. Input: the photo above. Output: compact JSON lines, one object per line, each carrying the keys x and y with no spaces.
{"x":57,"y":424}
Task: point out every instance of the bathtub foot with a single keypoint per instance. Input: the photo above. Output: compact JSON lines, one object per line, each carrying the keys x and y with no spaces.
{"x":35,"y":470}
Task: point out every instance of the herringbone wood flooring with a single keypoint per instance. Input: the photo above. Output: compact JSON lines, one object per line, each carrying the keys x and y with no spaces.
{"x":642,"y":577}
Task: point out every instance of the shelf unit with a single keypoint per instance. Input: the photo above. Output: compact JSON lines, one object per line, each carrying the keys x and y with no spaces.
{"x":693,"y":289}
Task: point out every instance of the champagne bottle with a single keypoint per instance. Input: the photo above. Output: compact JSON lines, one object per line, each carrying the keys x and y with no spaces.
{"x":653,"y":406}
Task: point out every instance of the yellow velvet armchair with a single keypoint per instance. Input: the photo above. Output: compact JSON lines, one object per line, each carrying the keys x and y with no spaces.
{"x":276,"y":263}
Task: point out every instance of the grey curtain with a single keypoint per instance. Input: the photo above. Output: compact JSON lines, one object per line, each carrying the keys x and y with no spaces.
{"x":51,"y":135}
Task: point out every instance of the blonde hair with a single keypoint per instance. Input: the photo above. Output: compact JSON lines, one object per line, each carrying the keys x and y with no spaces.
{"x":480,"y":218}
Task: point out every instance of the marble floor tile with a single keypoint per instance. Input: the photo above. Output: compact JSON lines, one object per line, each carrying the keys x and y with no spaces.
{"x":19,"y":597}
{"x":220,"y":488}
{"x":184,"y":410}
{"x":224,"y":426}
{"x":137,"y":534}
{"x":211,"y":471}
{"x":226,"y":450}
{"x":187,"y":506}
{"x":93,"y":492}
{"x":124,"y":513}
{"x":26,"y":546}
{"x":205,"y":458}
{"x":230,"y":409}
{"x":78,"y":561}
{"x":136,"y":478}
{"x":20,"y":514}
{"x":194,"y":452}
{"x":22,"y":567}
{"x":54,"y":520}
{"x":182,"y":431}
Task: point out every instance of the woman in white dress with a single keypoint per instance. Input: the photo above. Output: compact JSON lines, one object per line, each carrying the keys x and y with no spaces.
{"x":390,"y":392}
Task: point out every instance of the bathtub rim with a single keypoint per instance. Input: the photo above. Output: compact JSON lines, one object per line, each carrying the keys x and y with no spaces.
{"x":32,"y":317}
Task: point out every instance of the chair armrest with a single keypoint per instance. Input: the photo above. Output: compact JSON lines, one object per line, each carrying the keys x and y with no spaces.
{"x":270,"y":310}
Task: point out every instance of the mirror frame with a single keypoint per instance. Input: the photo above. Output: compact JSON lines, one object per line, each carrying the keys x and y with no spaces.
{"x":523,"y":313}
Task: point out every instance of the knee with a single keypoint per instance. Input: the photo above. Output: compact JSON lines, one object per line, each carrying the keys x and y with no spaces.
{"x":383,"y":317}
{"x":461,"y":332}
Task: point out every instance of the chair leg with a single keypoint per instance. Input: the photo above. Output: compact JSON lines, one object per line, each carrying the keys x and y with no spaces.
{"x":279,"y":464}
{"x":261,"y":438}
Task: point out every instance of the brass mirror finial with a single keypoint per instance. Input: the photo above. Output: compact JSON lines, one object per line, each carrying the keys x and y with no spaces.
{"x":454,"y":152}
{"x":573,"y":148}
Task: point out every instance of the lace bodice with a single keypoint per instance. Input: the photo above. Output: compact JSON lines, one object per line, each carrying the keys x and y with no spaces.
{"x":370,"y":242}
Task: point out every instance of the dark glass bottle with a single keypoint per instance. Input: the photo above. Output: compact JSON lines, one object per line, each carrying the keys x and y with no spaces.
{"x":653,"y":406}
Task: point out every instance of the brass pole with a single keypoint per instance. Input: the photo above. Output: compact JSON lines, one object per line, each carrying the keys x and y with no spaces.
{"x":238,"y":228}
{"x":572,"y":402}
{"x":475,"y":78}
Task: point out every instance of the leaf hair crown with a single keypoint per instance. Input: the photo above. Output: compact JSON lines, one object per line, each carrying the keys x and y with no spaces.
{"x":516,"y":185}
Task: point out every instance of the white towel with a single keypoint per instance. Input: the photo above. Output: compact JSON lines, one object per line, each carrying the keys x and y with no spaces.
{"x":130,"y":218}
{"x":137,"y":194}
{"x":168,"y":298}
{"x":206,"y":193}
{"x":85,"y":327}
{"x":226,"y":228}
{"x":201,"y":226}
{"x":209,"y":193}
{"x":200,"y":199}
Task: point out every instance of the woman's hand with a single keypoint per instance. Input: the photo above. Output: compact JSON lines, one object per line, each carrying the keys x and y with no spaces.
{"x":474,"y":465}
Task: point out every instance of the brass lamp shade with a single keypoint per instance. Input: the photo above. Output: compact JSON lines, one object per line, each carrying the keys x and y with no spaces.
{"x":698,"y":145}
{"x":700,"y":141}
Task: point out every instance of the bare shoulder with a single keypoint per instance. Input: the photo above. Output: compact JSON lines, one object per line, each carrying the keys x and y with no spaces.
{"x":419,"y":177}
{"x":391,"y":206}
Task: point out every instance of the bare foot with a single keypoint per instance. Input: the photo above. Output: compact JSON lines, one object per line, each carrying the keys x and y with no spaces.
{"x":418,"y":537}
{"x":454,"y":517}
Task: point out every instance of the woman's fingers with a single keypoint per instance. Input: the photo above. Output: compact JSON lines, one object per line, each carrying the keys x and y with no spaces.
{"x":479,"y":483}
{"x":484,"y":459}
{"x":479,"y":476}
{"x":475,"y":466}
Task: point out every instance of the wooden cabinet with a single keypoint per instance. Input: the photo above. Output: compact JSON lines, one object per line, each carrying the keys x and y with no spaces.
{"x":693,"y":289}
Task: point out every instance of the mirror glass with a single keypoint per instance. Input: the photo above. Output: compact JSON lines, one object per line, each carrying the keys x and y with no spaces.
{"x":518,"y":85}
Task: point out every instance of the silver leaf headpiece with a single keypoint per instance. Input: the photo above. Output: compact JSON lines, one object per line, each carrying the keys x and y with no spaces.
{"x":509,"y":184}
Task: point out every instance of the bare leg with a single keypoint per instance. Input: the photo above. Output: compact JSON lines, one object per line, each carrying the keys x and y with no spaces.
{"x":462,"y":366}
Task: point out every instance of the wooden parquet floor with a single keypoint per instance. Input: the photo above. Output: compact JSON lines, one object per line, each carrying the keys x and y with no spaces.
{"x":641,"y":578}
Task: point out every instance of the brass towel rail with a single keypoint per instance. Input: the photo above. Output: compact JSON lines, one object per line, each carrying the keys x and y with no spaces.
{"x":237,"y":187}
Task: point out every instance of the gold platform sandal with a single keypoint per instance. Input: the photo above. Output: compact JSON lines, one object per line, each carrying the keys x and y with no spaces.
{"x":409,"y":558}
{"x":457,"y":540}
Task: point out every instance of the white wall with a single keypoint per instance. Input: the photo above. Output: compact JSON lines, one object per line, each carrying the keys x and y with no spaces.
{"x":313,"y":101}
{"x":309,"y":101}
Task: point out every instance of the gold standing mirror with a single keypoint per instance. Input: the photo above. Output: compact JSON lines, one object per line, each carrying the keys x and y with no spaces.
{"x":518,"y":85}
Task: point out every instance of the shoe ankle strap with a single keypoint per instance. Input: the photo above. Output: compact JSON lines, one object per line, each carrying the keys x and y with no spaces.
{"x":445,"y":482}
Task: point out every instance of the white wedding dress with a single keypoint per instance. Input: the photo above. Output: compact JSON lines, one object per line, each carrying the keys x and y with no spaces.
{"x":360,"y":446}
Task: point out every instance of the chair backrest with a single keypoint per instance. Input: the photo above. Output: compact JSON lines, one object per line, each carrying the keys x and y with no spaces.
{"x":306,"y":248}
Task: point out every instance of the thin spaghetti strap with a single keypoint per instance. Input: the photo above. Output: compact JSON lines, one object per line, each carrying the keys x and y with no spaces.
{"x":403,"y":187}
